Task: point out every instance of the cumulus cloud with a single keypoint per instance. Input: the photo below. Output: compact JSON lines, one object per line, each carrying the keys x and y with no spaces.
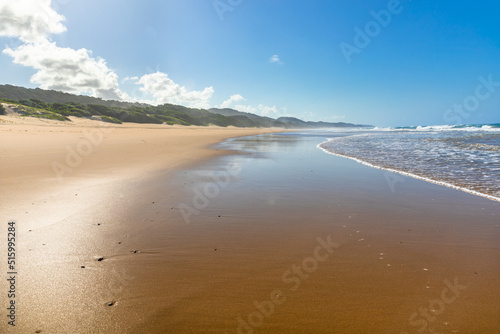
{"x":63,"y":69}
{"x":33,"y":22}
{"x":233,"y":98}
{"x":165,"y":90}
{"x":126,"y":79}
{"x":246,"y":108}
{"x":68,"y":70}
{"x":29,"y":20}
{"x":261,"y":110}
{"x":269,"y":111}
{"x":275,"y":59}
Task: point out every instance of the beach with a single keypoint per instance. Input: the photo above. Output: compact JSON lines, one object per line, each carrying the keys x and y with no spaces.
{"x":150,"y":229}
{"x":66,"y":186}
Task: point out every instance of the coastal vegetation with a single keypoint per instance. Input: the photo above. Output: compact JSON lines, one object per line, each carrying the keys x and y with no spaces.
{"x":60,"y":106}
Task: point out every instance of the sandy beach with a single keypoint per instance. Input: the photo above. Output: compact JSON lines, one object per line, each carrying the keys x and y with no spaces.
{"x":249,"y":167}
{"x":66,"y":185}
{"x":147,"y":229}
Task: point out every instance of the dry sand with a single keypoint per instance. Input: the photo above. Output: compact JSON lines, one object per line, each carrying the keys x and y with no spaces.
{"x":159,"y":274}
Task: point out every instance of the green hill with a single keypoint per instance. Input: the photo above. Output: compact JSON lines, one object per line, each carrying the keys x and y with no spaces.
{"x":52,"y":96}
{"x":58,"y":105}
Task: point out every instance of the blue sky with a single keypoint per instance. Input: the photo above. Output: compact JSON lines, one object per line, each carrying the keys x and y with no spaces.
{"x":387,"y":63}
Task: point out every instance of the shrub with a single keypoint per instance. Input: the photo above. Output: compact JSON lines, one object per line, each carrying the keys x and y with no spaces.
{"x":110,"y":120}
{"x":52,"y":116}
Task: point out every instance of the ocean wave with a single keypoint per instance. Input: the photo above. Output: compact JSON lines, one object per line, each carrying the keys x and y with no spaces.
{"x":467,"y":160}
{"x":437,"y":128}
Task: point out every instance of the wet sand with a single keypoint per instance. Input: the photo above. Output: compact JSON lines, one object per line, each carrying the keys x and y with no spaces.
{"x":421,"y":257}
{"x":284,"y":239}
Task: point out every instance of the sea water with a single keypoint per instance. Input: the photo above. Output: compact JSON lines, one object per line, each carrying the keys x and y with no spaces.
{"x":466,"y":157}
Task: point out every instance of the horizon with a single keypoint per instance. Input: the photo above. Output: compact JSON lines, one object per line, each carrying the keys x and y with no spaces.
{"x":389,"y":63}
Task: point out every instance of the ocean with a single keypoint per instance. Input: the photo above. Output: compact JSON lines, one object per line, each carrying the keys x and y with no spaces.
{"x":465,"y":157}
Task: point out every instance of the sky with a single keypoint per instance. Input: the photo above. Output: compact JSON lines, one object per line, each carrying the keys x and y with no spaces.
{"x":385,"y":63}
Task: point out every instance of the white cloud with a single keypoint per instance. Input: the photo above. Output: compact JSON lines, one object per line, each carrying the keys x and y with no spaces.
{"x":29,"y":20}
{"x":275,"y":59}
{"x":269,"y":111}
{"x":233,"y":98}
{"x":68,"y":70}
{"x":124,"y":80}
{"x":245,"y":108}
{"x":261,"y":110}
{"x":76,"y":71}
{"x":258,"y":110}
{"x":165,"y":90}
{"x":63,"y":69}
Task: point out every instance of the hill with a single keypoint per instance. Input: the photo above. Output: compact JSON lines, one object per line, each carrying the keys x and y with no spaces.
{"x":287,"y":122}
{"x":53,"y":96}
{"x":306,"y":125}
{"x":260,"y":121}
{"x":58,"y":105}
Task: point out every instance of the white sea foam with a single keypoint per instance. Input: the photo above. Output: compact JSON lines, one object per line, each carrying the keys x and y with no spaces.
{"x":436,"y":128}
{"x":468,"y":160}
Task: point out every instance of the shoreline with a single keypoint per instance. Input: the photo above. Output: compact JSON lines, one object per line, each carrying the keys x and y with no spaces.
{"x":415,"y":176}
{"x":396,"y":251}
